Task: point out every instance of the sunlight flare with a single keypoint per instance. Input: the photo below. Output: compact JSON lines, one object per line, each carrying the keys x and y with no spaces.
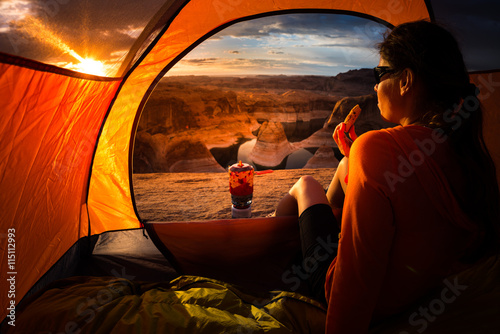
{"x":35,"y":28}
{"x":91,"y":66}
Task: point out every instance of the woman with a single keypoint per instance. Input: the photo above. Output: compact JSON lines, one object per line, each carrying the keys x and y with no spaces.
{"x":421,"y":198}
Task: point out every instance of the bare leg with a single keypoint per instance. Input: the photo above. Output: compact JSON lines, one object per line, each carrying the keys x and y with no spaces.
{"x":312,"y":192}
{"x":336,"y":190}
{"x":308,"y":192}
{"x":305,"y":193}
{"x":287,"y":206}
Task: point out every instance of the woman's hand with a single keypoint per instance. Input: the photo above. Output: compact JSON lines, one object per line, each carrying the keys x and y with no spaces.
{"x":344,"y":142}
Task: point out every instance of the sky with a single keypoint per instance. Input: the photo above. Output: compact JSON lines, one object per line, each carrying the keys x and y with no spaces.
{"x":317,"y":44}
{"x":65,"y":32}
{"x":44,"y":30}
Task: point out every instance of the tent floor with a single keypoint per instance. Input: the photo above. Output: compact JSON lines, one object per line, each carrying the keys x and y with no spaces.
{"x":128,"y":254}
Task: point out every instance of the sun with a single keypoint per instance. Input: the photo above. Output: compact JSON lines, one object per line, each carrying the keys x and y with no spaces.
{"x":91,"y":66}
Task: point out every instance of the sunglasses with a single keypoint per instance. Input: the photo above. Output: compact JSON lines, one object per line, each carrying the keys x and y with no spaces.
{"x":380,"y":71}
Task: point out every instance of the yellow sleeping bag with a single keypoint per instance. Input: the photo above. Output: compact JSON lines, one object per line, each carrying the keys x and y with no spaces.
{"x":188,"y":304}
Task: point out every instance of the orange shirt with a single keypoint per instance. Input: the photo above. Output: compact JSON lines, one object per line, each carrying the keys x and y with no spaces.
{"x":402,"y":229}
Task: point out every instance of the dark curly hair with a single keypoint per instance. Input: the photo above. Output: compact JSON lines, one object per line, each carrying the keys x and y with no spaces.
{"x":449,"y":102}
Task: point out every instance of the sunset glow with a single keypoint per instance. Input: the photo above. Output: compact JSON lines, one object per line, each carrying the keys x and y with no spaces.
{"x":35,"y":28}
{"x":91,"y":66}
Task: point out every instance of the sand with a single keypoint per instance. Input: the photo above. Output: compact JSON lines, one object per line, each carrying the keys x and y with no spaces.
{"x":205,"y":196}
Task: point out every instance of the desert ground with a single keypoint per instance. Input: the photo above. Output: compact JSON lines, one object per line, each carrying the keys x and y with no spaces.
{"x":205,"y":196}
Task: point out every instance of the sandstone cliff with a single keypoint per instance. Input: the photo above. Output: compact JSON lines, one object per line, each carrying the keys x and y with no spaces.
{"x":323,"y":158}
{"x":272,"y":145}
{"x":369,"y":119}
{"x":216,"y":115}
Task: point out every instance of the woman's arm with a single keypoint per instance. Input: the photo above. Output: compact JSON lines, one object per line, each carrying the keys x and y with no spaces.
{"x":336,"y":191}
{"x":353,"y":287}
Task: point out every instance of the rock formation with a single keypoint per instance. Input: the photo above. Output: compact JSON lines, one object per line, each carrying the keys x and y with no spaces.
{"x":369,"y":119}
{"x":322,"y":137}
{"x":323,"y":158}
{"x":272,"y":145}
{"x":217,"y":114}
{"x":144,"y":154}
{"x":159,"y":153}
{"x":187,"y":155}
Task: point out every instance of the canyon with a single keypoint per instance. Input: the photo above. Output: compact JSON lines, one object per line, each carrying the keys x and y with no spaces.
{"x":204,"y":124}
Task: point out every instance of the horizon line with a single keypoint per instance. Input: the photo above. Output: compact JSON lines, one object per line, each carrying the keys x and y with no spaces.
{"x":257,"y":74}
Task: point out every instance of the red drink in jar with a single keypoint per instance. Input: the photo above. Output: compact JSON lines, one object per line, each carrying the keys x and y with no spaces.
{"x":241,"y":188}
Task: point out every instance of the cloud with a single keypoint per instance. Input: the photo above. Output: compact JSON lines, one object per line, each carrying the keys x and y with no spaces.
{"x":272,"y":28}
{"x":286,"y":44}
{"x":12,"y":10}
{"x":91,"y":28}
{"x":247,"y":66}
{"x":327,"y":25}
{"x":313,"y":31}
{"x":199,"y":61}
{"x":131,"y":31}
{"x":273,"y":52}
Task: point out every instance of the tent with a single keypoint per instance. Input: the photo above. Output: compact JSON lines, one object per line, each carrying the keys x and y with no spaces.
{"x":66,"y":138}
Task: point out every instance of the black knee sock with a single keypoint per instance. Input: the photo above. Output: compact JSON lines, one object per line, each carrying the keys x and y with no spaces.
{"x":319,"y":240}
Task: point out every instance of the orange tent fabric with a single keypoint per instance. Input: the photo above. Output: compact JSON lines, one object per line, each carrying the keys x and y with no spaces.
{"x":238,"y":251}
{"x":48,"y":129}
